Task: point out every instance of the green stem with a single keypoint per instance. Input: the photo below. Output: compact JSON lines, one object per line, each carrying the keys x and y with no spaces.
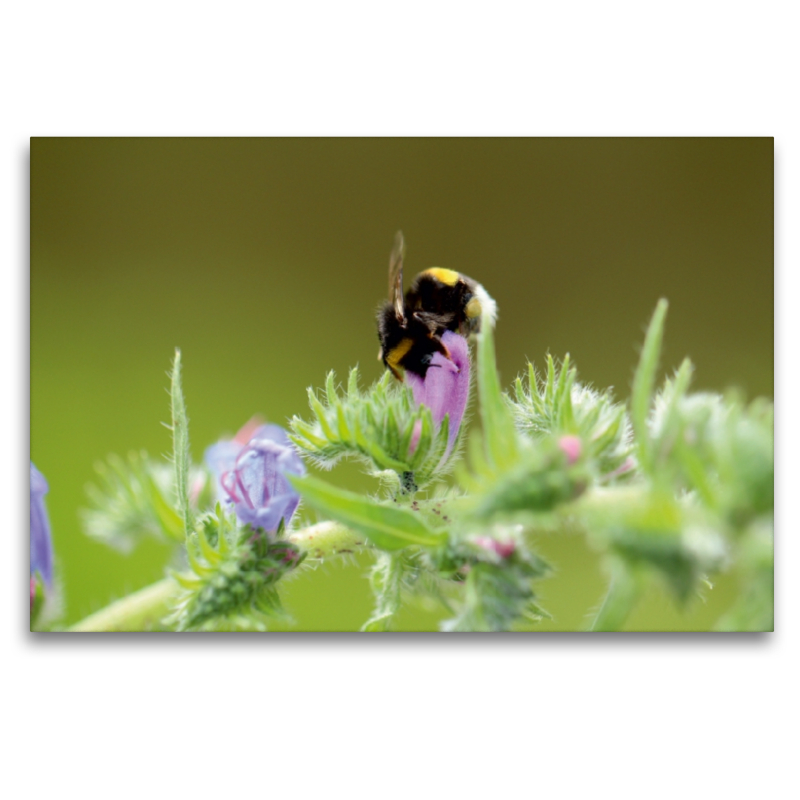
{"x":326,"y":539}
{"x":623,"y":593}
{"x":144,"y":610}
{"x":140,"y":611}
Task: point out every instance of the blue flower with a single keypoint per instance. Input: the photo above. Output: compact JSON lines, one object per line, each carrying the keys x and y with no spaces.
{"x":41,"y":544}
{"x":252,"y":476}
{"x":445,"y":387}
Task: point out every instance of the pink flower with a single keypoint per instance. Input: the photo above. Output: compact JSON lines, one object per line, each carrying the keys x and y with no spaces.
{"x":445,"y":387}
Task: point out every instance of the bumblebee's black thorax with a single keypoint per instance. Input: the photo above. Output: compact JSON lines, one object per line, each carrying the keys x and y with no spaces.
{"x":438,"y":300}
{"x":447,"y":301}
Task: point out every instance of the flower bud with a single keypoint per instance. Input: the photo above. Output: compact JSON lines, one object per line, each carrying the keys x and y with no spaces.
{"x":502,"y":549}
{"x":571,"y":446}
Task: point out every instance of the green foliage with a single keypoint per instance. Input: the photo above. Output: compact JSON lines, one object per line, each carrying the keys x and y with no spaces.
{"x":389,"y":527}
{"x":234,"y":570}
{"x":754,"y":608}
{"x":537,"y":481}
{"x":644,"y":382}
{"x":646,"y":528}
{"x":376,"y":426}
{"x":676,"y":487}
{"x":395,"y":578}
{"x":498,"y":596}
{"x":500,"y":442}
{"x":485,"y":583}
{"x":131,"y":498}
{"x":233,"y":577}
{"x":180,"y":445}
{"x":717,"y":447}
{"x":707,"y":473}
{"x":523,"y":476}
{"x":38,"y":599}
{"x":557,"y":405}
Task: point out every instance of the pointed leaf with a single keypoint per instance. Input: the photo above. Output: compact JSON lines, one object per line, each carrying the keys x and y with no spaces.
{"x":644,"y":382}
{"x":498,"y":424}
{"x":389,"y":528}
{"x":180,"y":440}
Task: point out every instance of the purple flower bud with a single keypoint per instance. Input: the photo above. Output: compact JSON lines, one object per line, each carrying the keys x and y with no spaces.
{"x":41,"y":544}
{"x":253,"y":478}
{"x":445,"y":387}
{"x":571,"y":446}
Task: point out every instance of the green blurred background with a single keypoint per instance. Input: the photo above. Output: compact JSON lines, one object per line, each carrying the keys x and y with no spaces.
{"x":264,"y":260}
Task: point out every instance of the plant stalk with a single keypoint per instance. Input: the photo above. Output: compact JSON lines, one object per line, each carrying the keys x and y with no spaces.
{"x":140,"y":611}
{"x":145,"y":609}
{"x":623,"y":594}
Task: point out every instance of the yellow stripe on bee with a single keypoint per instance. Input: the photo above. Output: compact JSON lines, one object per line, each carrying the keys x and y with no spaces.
{"x":473,"y":308}
{"x":396,"y":354}
{"x":447,"y":276}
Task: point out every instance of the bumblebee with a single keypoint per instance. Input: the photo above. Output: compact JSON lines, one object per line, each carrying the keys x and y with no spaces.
{"x":410,"y":327}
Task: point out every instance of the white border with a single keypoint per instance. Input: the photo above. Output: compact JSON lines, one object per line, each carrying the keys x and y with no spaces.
{"x":652,"y":716}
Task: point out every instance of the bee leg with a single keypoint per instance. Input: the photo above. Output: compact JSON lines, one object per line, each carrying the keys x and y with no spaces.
{"x":440,"y":346}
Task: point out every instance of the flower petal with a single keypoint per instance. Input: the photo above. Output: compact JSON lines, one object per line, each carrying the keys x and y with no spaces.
{"x":253,"y":476}
{"x":41,"y":544}
{"x":445,"y":387}
{"x":221,"y":457}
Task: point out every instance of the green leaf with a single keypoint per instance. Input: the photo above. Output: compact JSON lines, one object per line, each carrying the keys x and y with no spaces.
{"x":671,"y":423}
{"x":498,"y":424}
{"x":330,"y":389}
{"x":38,"y":599}
{"x":319,"y":410}
{"x":341,"y":421}
{"x":352,"y":384}
{"x":427,"y":469}
{"x":389,"y":528}
{"x":180,"y":445}
{"x":623,"y":593}
{"x":307,"y":432}
{"x":170,"y":521}
{"x":549,"y":392}
{"x":387,"y":581}
{"x":644,"y":382}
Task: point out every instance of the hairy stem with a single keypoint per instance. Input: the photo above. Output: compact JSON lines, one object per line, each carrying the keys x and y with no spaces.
{"x":140,"y":611}
{"x":144,"y":610}
{"x":326,"y":539}
{"x":623,"y":593}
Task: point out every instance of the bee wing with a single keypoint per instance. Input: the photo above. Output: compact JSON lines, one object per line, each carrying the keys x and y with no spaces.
{"x":396,"y":276}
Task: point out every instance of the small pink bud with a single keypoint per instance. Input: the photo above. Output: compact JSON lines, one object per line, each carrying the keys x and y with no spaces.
{"x":415,"y":434}
{"x":245,"y":433}
{"x":571,"y":446}
{"x":502,"y":549}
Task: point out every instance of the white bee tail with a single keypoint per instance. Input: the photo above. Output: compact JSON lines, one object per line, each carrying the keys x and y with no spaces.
{"x":488,"y":305}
